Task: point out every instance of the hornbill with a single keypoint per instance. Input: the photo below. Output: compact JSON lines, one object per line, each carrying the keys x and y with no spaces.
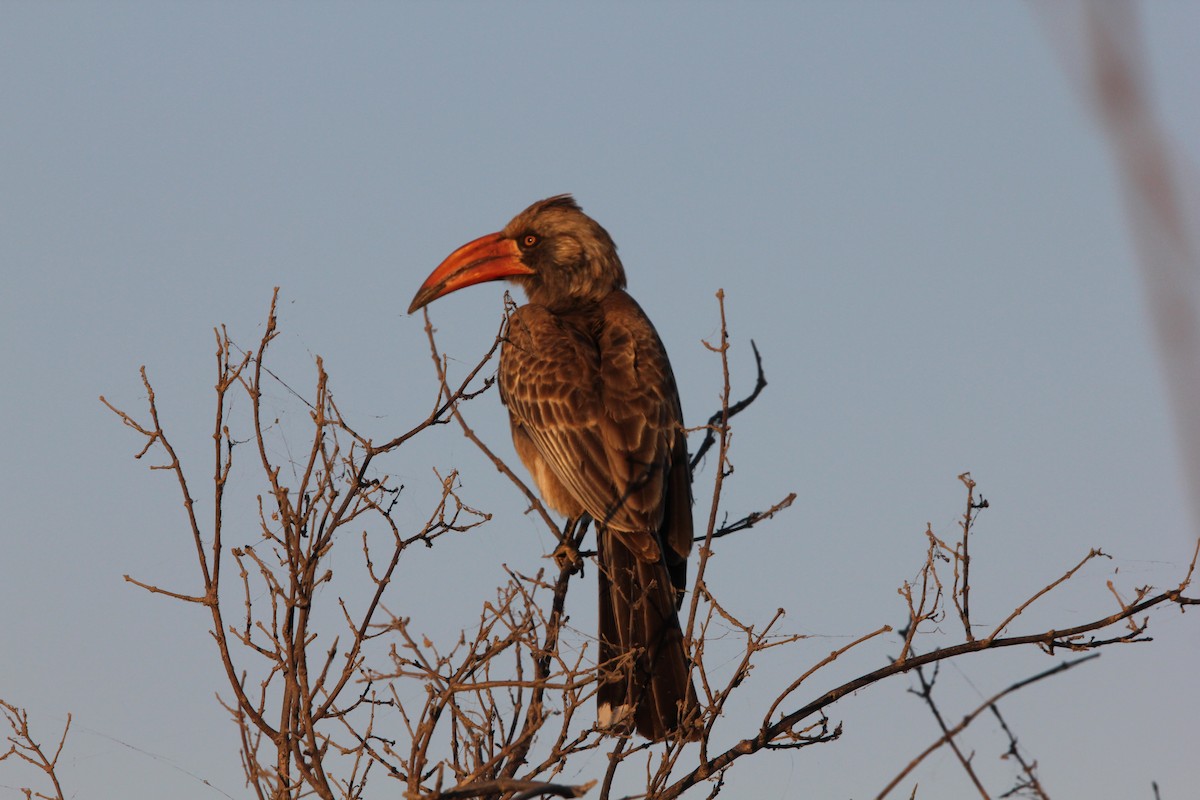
{"x":596,"y":420}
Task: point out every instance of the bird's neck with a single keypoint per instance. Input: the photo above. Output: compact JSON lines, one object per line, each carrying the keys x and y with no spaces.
{"x":573,"y":305}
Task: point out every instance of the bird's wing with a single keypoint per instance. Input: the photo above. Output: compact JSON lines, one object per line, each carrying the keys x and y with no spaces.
{"x":598,"y":400}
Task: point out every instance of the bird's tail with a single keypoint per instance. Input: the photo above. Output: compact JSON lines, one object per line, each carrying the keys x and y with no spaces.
{"x":643,"y":667}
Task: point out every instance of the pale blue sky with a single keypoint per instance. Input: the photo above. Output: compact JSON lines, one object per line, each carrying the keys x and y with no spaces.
{"x":909,"y":208}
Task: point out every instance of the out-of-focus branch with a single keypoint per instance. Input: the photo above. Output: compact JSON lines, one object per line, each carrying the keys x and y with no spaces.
{"x":970,"y":717}
{"x":1109,"y":63}
{"x":1029,"y":783}
{"x":517,"y":790}
{"x":926,"y":693}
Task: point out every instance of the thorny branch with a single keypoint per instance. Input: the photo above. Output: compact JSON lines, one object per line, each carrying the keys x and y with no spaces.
{"x":501,"y":712}
{"x":298,"y":525}
{"x":1073,"y":638}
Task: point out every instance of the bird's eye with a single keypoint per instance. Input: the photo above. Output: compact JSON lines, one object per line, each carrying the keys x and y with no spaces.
{"x":529,"y":240}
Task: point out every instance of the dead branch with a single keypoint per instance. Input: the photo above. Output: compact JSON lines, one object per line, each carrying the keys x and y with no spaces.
{"x":498,"y":709}
{"x":972,"y":715}
{"x":24,"y":747}
{"x":1070,"y":638}
{"x":727,"y":411}
{"x":1029,"y":783}
{"x":926,"y":694}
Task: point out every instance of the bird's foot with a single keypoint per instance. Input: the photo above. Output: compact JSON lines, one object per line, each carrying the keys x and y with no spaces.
{"x":567,"y":558}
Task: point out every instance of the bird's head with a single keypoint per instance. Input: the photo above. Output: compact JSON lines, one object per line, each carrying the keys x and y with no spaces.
{"x":560,"y":256}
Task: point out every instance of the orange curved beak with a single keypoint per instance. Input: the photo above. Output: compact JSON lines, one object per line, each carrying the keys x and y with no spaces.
{"x":487,"y":258}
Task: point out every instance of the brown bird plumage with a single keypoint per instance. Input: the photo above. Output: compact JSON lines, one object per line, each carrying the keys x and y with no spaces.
{"x":597,"y":422}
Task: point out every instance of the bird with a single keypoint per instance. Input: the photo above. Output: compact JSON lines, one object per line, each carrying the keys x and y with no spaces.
{"x":596,"y":420}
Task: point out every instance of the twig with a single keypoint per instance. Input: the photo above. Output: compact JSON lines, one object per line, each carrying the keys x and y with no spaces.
{"x":1049,"y":639}
{"x":970,"y":717}
{"x":726,"y":412}
{"x":1094,"y":553}
{"x":926,"y":694}
{"x":22,"y":745}
{"x":439,"y":365}
{"x":1030,"y":782}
